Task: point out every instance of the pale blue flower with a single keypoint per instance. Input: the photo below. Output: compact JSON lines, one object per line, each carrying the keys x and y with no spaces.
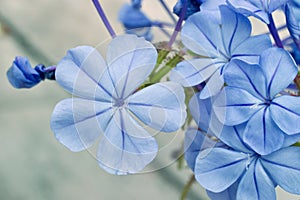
{"x":229,"y":169}
{"x":212,"y":8}
{"x":252,"y":97}
{"x":218,"y":46}
{"x":260,"y":9}
{"x":110,"y":106}
{"x":22,"y":75}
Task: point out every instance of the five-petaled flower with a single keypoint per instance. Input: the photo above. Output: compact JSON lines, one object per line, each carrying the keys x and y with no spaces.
{"x":109,"y":103}
{"x":218,"y":46}
{"x":229,"y":169}
{"x":252,"y":96}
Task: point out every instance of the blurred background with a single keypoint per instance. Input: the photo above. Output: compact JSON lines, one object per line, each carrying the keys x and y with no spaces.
{"x":33,"y":165}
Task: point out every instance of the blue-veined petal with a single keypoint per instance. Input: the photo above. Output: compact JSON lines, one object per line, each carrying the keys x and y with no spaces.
{"x":235,"y":28}
{"x":251,"y":48}
{"x":284,"y":168}
{"x":245,"y":76}
{"x":292,"y":12}
{"x":194,"y":142}
{"x":249,"y":9}
{"x":286,"y":113}
{"x":208,"y":41}
{"x":193,"y":72}
{"x":275,"y":4}
{"x":279,"y":69}
{"x":130,"y":60}
{"x":217,"y":174}
{"x":213,"y":85}
{"x":160,"y":106}
{"x":228,"y":194}
{"x":262,"y":134}
{"x":256,"y":184}
{"x":232,"y":136}
{"x":79,"y":73}
{"x":77,"y":123}
{"x":234,"y":105}
{"x":126,"y":147}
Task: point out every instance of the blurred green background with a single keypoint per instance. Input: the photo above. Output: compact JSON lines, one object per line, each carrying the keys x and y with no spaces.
{"x":33,"y":165}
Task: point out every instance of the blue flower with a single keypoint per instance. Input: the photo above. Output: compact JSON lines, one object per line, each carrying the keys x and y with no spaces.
{"x":292,"y":13}
{"x":257,"y":8}
{"x":218,"y":46}
{"x":229,"y":169}
{"x":22,"y":75}
{"x":109,"y":104}
{"x":193,"y":6}
{"x":252,"y":96}
{"x":212,"y":8}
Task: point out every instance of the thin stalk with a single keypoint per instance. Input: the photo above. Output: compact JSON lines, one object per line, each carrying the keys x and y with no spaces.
{"x":274,"y":32}
{"x":178,"y":25}
{"x":104,"y":18}
{"x":187,"y":188}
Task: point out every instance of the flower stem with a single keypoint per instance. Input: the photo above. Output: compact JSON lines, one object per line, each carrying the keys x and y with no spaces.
{"x":168,"y":10}
{"x":178,"y":25}
{"x":104,"y":18}
{"x":274,"y":32}
{"x":187,"y":188}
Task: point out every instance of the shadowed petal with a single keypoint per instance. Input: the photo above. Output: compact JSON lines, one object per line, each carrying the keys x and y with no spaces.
{"x":279,"y":69}
{"x":286,"y":113}
{"x":256,"y":184}
{"x":228,"y":194}
{"x":79,"y":73}
{"x":262,"y":134}
{"x":213,"y":85}
{"x":126,"y":147}
{"x":234,"y":106}
{"x":77,"y":123}
{"x":160,"y":106}
{"x":194,"y":142}
{"x":193,"y":72}
{"x":130,"y":61}
{"x":235,"y":28}
{"x":217,"y":174}
{"x":284,"y":168}
{"x":208,"y":41}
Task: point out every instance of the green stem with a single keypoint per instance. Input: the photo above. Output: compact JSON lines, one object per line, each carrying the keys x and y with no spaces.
{"x":162,"y":54}
{"x":165,"y":69}
{"x":187,"y":188}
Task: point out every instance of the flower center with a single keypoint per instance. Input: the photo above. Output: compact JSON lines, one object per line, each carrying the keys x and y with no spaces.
{"x":119,"y":103}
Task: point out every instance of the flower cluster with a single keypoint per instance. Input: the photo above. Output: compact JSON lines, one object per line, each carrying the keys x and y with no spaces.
{"x":246,"y":106}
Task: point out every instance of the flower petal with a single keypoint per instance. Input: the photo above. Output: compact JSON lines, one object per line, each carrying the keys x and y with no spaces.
{"x":249,"y":9}
{"x":208,"y":41}
{"x":130,"y":61}
{"x":200,"y":110}
{"x":79,"y":72}
{"x":217,"y":174}
{"x":285,"y":112}
{"x":279,"y":68}
{"x":213,"y":85}
{"x":245,"y":76}
{"x":160,"y":106}
{"x":235,"y":28}
{"x":256,"y":184}
{"x":234,"y":106}
{"x":194,"y":142}
{"x":284,"y":168}
{"x":77,"y":123}
{"x":228,"y":194}
{"x":126,"y":147}
{"x":250,"y":49}
{"x":262,"y":134}
{"x":193,"y":72}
